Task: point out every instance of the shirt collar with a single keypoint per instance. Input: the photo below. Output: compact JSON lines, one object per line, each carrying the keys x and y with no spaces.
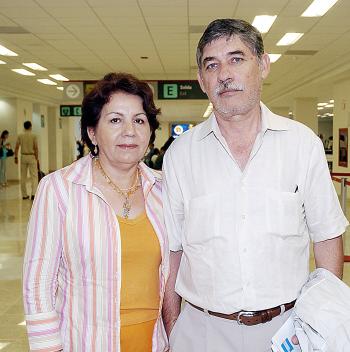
{"x":269,"y":121}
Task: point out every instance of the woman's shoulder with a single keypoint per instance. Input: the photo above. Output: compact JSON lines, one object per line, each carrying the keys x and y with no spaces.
{"x":151,"y":173}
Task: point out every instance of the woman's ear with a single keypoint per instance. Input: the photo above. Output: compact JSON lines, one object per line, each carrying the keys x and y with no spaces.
{"x":91,"y":134}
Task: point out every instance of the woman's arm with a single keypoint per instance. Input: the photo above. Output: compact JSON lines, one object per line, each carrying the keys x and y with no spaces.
{"x":41,"y":263}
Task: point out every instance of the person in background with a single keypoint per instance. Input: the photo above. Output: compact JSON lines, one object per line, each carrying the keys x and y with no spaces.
{"x":4,"y":147}
{"x":149,"y":154}
{"x":28,"y":144}
{"x":244,"y":192}
{"x":96,"y":260}
{"x":158,"y":163}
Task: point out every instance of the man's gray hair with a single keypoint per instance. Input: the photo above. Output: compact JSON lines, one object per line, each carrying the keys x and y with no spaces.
{"x":227,"y":28}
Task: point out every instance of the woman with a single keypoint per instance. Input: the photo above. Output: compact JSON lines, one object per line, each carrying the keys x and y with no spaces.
{"x":97,"y":256}
{"x":3,"y":155}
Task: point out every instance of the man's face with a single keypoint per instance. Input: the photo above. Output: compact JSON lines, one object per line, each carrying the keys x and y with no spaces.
{"x":231,"y":75}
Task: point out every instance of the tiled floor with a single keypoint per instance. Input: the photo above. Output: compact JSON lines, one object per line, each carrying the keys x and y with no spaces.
{"x":14,"y":214}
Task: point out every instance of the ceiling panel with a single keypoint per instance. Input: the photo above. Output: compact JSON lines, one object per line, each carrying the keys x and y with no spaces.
{"x":97,"y":36}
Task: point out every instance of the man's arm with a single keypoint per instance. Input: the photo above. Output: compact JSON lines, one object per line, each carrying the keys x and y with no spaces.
{"x":329,"y":255}
{"x":16,"y":150}
{"x":172,"y":301}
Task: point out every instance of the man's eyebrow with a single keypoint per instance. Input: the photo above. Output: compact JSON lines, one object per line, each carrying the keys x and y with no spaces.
{"x":230,"y":53}
{"x":236,"y":52}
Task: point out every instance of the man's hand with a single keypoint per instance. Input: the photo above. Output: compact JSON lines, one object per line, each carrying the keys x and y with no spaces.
{"x":16,"y":160}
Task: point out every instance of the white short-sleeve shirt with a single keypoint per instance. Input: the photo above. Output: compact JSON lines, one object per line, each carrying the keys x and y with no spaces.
{"x":245,"y":235}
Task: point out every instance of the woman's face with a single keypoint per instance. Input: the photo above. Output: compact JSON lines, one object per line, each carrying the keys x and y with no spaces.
{"x":123,"y":132}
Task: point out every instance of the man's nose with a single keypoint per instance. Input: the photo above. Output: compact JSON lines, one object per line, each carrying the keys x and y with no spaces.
{"x":224,"y":74}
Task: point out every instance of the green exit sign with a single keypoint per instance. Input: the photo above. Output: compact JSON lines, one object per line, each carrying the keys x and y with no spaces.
{"x":70,"y":110}
{"x":180,"y":90}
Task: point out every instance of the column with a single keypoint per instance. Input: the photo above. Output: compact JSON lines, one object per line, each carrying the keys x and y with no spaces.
{"x":305,"y":111}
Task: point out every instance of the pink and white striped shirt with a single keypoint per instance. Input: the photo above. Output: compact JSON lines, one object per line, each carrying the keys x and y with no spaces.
{"x":72,"y":264}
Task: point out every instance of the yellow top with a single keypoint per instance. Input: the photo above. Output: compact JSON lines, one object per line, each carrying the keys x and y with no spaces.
{"x":141,"y":258}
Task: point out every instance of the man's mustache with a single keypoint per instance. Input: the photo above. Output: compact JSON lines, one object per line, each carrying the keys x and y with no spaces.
{"x":228,"y":86}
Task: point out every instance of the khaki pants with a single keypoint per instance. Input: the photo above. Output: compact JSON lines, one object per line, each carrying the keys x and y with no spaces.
{"x":196,"y":331}
{"x":29,"y":162}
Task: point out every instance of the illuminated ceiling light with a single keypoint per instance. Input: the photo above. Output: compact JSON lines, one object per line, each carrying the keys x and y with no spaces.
{"x":329,"y":106}
{"x":59,"y":77}
{"x":322,"y":104}
{"x":320,"y":108}
{"x":2,"y":62}
{"x":289,"y":39}
{"x":34,"y":66}
{"x":263,"y":23}
{"x":23,"y":72}
{"x":47,"y":81}
{"x":60,"y":88}
{"x":23,"y":323}
{"x":274,"y":57}
{"x":208,"y":111}
{"x":332,"y":101}
{"x":318,"y":8}
{"x":6,"y":52}
{"x":3,"y":345}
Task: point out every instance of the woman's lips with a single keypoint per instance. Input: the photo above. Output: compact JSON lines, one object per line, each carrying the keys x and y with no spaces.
{"x":127,"y":146}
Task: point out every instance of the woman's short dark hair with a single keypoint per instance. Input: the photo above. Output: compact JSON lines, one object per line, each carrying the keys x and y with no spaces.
{"x":227,"y":28}
{"x":100,"y":95}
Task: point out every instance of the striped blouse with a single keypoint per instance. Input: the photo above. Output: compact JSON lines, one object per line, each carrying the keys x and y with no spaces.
{"x":72,"y":264}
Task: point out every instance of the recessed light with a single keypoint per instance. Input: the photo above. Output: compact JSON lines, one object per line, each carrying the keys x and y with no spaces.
{"x":23,"y":72}
{"x":274,"y":57}
{"x":318,"y":8}
{"x":208,"y":111}
{"x":47,"y":81}
{"x":34,"y":66}
{"x":59,"y":77}
{"x":6,"y":52}
{"x":2,"y":62}
{"x":332,"y":101}
{"x":322,"y":104}
{"x":263,"y":23}
{"x":289,"y":39}
{"x":60,"y":88}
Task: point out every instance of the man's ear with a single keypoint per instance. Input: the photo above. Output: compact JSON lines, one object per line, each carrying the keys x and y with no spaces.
{"x":200,"y":80}
{"x":91,"y":134}
{"x":265,"y":65}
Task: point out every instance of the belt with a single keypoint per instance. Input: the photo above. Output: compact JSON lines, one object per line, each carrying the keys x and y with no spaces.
{"x":27,"y":154}
{"x":251,"y":318}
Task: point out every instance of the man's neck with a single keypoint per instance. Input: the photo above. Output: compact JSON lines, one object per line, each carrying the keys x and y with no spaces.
{"x":239,"y":125}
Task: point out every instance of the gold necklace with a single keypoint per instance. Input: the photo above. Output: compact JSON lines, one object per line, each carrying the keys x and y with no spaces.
{"x":126,"y":193}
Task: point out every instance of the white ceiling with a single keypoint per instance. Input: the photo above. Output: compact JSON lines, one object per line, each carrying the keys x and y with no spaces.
{"x":84,"y":39}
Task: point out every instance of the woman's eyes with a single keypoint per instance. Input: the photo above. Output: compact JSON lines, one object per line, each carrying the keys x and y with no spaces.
{"x":137,"y":120}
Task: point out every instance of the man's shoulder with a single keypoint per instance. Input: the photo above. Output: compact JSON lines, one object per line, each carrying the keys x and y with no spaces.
{"x":293,"y":126}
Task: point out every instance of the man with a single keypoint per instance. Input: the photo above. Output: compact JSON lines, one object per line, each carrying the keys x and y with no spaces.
{"x":244,"y":193}
{"x":29,"y":159}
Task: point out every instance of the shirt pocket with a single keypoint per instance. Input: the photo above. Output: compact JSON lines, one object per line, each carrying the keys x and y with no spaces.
{"x":202,"y":221}
{"x":283,"y":213}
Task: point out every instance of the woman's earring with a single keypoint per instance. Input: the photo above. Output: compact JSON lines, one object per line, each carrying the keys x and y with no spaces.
{"x":95,"y":149}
